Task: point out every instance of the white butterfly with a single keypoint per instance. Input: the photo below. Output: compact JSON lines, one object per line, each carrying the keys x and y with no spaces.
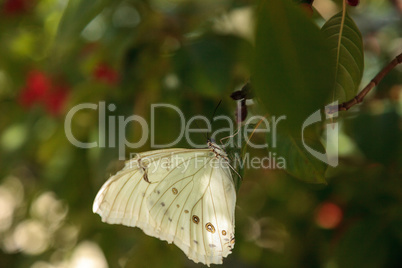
{"x":182,"y":196}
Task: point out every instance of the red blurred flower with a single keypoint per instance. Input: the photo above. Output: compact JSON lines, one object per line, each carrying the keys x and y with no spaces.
{"x":38,"y":84}
{"x":328,"y":215}
{"x":11,"y":7}
{"x":106,"y":74}
{"x":353,"y":2}
{"x":56,"y":99}
{"x":40,"y":89}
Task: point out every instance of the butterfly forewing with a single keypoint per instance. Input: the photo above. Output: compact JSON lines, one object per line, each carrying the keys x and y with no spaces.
{"x":179,"y":195}
{"x":120,"y":199}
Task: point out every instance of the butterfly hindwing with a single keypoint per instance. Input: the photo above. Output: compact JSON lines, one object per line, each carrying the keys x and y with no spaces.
{"x":196,"y":211}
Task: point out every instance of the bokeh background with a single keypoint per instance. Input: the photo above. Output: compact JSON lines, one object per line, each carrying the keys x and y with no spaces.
{"x":55,"y":54}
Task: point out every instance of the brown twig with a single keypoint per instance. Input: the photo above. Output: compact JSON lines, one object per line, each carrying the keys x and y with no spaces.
{"x":374,"y":82}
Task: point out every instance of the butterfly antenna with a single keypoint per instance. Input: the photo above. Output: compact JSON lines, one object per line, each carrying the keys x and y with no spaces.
{"x":200,"y":128}
{"x":216,"y":108}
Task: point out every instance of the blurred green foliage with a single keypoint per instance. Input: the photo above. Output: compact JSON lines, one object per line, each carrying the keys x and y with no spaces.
{"x":191,"y":53}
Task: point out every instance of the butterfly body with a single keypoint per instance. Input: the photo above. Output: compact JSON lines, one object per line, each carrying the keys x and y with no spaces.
{"x":184,"y":196}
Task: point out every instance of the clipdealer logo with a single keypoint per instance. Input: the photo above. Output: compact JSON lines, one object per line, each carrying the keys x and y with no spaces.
{"x":115,"y":127}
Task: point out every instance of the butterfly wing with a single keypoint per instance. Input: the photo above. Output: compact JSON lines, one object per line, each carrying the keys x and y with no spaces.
{"x":189,"y":201}
{"x":121,"y":198}
{"x":197,"y":211}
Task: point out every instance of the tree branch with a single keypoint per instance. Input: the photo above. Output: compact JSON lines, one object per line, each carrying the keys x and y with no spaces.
{"x":374,"y":82}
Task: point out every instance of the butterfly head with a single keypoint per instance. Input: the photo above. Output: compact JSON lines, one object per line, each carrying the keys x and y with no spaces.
{"x":218,"y":151}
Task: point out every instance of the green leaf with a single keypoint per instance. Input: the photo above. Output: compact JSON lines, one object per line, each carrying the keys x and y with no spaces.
{"x":291,"y":71}
{"x":299,"y":162}
{"x":205,"y":65}
{"x":77,"y":15}
{"x":377,"y":134}
{"x":346,"y":45}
